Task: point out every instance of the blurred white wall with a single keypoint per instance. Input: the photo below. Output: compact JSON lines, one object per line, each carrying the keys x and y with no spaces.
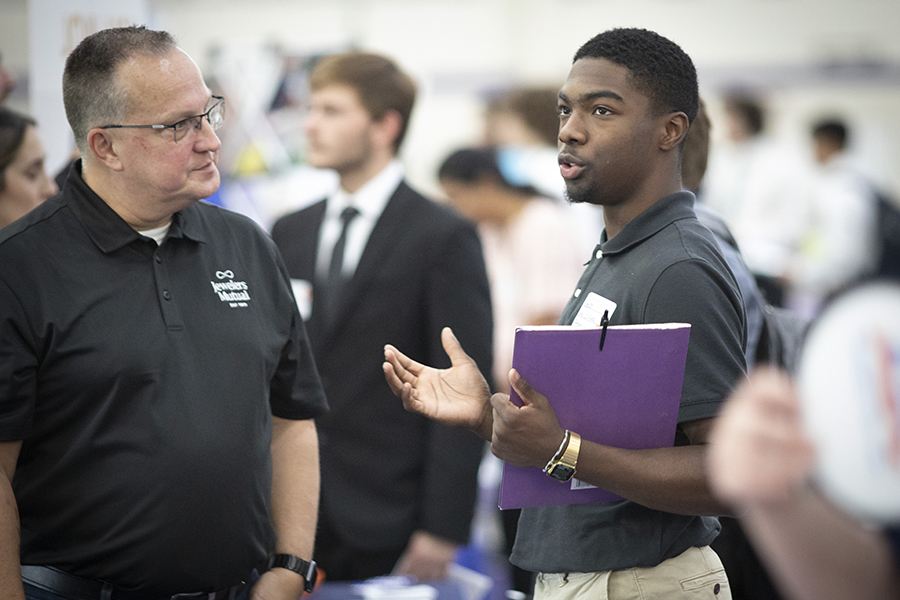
{"x":808,"y":57}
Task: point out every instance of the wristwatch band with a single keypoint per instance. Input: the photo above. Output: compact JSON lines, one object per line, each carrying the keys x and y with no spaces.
{"x":559,"y":451}
{"x":297,"y":565}
{"x":563,"y":469}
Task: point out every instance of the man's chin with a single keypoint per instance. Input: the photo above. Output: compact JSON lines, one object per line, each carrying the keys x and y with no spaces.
{"x":318,"y":160}
{"x":208,"y":187}
{"x":578,"y":196}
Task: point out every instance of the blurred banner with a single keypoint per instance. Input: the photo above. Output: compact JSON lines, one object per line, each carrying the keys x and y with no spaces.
{"x":55,"y":28}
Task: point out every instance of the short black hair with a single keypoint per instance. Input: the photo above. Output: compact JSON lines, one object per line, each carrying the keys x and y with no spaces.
{"x":832,"y":129}
{"x":659,"y":67}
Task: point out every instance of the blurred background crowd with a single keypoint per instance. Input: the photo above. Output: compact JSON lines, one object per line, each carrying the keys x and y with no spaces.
{"x":802,"y":106}
{"x":769,"y":71}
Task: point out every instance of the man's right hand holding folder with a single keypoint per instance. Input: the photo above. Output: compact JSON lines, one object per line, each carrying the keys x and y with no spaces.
{"x":670,"y":479}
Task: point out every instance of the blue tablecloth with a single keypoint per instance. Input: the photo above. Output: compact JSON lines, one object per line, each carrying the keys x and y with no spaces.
{"x":447,"y":590}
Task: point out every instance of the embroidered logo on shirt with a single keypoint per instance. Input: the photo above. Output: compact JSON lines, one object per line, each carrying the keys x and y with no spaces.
{"x":235,"y":293}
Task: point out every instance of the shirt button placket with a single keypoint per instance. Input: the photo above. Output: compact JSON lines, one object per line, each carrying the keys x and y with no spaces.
{"x":168,"y":306}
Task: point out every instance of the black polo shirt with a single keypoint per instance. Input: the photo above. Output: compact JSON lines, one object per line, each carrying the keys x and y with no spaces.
{"x":142,"y":379}
{"x":662,"y":267}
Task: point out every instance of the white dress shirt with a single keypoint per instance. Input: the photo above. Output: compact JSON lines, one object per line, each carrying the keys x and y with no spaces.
{"x":370,"y":201}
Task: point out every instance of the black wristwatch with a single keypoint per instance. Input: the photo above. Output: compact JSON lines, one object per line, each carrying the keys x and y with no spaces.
{"x":297,"y":565}
{"x":562,"y":468}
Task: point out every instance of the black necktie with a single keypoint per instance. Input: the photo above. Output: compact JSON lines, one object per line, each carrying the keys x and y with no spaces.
{"x":330,"y":290}
{"x":335,"y":267}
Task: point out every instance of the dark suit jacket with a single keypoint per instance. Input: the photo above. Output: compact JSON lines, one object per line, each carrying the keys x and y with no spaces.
{"x":387,"y":472}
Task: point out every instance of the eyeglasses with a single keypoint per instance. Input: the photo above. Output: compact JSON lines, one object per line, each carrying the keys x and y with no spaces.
{"x":215,"y":115}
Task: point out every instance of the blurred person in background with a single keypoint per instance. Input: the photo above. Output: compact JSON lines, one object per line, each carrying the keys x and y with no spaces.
{"x":520,"y":118}
{"x":523,"y":124}
{"x":762,"y":191}
{"x":761,"y":461}
{"x":840,"y":243}
{"x":694,"y":160}
{"x":7,"y":81}
{"x":532,"y":262}
{"x":747,"y":577}
{"x":24,"y":182}
{"x":375,"y":262}
{"x":531,"y":258}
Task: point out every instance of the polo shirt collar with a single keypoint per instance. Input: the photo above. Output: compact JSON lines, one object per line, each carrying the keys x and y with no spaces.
{"x":106,"y":228}
{"x":186,"y":224}
{"x":673,"y":207}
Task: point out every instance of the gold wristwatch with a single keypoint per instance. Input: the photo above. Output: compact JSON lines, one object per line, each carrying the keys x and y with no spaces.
{"x":562,"y":468}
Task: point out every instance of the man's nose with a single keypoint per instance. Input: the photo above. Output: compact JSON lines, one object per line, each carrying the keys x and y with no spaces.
{"x":207,"y":139}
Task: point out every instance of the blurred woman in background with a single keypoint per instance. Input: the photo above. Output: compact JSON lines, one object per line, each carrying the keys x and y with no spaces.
{"x":533,"y":263}
{"x":24,"y":182}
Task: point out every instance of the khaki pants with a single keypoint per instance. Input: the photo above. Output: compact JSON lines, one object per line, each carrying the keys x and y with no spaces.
{"x":694,"y":574}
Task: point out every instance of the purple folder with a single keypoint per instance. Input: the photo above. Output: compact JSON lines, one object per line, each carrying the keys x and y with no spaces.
{"x":626,"y":396}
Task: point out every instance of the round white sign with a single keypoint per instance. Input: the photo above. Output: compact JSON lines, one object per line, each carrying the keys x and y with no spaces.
{"x":849,"y":386}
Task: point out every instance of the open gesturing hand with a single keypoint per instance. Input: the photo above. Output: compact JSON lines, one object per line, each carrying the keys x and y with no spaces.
{"x":458,"y":396}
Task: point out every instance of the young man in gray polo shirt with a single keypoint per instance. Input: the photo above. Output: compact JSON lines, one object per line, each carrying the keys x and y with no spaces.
{"x":625,"y":110}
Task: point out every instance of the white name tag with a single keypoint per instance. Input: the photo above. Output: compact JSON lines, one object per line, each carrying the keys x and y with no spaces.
{"x":303,"y":294}
{"x":591,"y":312}
{"x":578,"y":484}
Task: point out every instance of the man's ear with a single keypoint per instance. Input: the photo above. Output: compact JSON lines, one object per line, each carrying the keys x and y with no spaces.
{"x":675,"y":129}
{"x":387,"y":128}
{"x":101,"y":144}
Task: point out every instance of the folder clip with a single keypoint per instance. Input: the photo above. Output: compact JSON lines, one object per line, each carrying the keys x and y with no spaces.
{"x":604,"y":323}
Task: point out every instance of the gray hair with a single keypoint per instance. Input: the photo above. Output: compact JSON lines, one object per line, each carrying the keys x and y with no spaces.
{"x":92,"y":94}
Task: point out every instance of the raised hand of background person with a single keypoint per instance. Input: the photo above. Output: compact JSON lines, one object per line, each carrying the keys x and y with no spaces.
{"x":427,"y":557}
{"x":758,"y":450}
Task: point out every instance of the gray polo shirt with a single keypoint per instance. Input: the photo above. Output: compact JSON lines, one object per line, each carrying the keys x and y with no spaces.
{"x":664,"y":266}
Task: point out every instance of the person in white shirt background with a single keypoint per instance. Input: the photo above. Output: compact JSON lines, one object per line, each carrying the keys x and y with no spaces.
{"x":839,"y":244}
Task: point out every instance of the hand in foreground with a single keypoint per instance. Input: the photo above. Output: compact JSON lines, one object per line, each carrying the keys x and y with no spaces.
{"x":527,"y":435}
{"x":758,"y":451}
{"x":426,"y":558}
{"x":458,"y":396}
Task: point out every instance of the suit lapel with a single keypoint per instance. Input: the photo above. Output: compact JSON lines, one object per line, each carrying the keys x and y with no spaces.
{"x":308,"y":239}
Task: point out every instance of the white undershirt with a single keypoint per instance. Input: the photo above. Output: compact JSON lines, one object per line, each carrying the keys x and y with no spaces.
{"x":158,"y":234}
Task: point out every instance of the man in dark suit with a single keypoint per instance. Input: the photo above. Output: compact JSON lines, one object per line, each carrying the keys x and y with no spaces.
{"x":372,"y":263}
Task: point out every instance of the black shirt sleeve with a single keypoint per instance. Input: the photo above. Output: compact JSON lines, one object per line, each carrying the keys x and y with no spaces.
{"x":18,"y":369}
{"x":296,"y":391}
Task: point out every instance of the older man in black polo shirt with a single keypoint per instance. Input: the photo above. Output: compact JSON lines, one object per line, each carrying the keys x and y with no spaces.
{"x":156,"y":386}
